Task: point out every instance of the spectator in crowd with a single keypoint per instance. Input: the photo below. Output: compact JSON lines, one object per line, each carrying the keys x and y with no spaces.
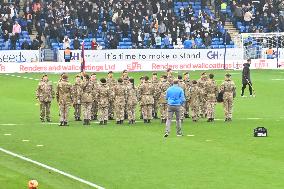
{"x":17,"y":29}
{"x":207,"y":41}
{"x":25,"y":45}
{"x":94,"y":44}
{"x":76,"y":43}
{"x":6,"y":39}
{"x":35,"y":44}
{"x":158,"y":41}
{"x":66,"y":42}
{"x":13,"y":40}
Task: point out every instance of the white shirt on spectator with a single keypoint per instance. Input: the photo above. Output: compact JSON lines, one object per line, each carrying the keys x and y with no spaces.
{"x":248,"y":16}
{"x":158,"y":40}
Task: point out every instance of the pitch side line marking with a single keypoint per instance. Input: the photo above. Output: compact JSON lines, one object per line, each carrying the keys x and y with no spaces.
{"x":51,"y":168}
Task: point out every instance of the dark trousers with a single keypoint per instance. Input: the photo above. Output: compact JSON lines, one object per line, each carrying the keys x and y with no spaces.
{"x":171,"y":111}
{"x":250,"y":88}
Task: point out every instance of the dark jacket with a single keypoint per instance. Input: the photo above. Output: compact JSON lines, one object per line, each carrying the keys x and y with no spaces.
{"x":246,"y":74}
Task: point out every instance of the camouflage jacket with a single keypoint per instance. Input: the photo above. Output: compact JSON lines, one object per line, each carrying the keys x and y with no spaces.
{"x":155,"y":83}
{"x":201,"y":85}
{"x":229,"y":88}
{"x":163,"y":86}
{"x":77,"y":92}
{"x":194,"y":95}
{"x":146,"y":93}
{"x":211,"y":89}
{"x":95,"y":90}
{"x":120,"y":91}
{"x":132,"y":96}
{"x":44,"y":91}
{"x":103,"y":95}
{"x":87,"y":92}
{"x":64,"y":92}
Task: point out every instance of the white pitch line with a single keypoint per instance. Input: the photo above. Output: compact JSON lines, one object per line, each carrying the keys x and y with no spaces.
{"x":8,"y":124}
{"x":26,"y":140}
{"x":13,"y":75}
{"x":277,"y":79}
{"x":7,"y":134}
{"x":51,"y":168}
{"x":18,"y":76}
{"x":25,"y":77}
{"x":39,"y":145}
{"x":31,"y":78}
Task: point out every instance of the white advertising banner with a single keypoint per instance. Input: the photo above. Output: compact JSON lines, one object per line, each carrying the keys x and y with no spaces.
{"x":19,"y":56}
{"x":158,"y":55}
{"x":59,"y":67}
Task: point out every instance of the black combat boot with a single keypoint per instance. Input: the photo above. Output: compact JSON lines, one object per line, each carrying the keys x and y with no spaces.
{"x":48,"y":120}
{"x":145,"y":120}
{"x":101,"y":123}
{"x":61,"y":123}
{"x":121,"y":121}
{"x":209,"y":120}
{"x":65,"y":123}
{"x":42,"y":119}
{"x":133,"y":121}
{"x":186,"y":115}
{"x":149,"y":121}
{"x":118,"y":122}
{"x":110,"y":118}
{"x":105,"y":122}
{"x":79,"y":119}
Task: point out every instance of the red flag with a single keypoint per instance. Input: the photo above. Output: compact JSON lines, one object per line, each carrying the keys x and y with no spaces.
{"x":83,"y":57}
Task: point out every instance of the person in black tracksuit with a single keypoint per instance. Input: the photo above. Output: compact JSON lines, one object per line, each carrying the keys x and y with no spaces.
{"x":246,"y":80}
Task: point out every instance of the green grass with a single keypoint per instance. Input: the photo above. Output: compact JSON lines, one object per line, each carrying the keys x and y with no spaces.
{"x":219,"y":156}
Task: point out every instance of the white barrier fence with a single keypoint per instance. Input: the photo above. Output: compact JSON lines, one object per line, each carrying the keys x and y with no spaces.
{"x":118,"y":60}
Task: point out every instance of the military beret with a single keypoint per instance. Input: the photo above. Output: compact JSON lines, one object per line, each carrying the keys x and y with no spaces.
{"x":228,"y":75}
{"x":110,"y":72}
{"x":154,"y":73}
{"x":185,"y":73}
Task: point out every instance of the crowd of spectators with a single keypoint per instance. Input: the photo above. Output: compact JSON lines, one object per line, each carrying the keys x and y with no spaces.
{"x":258,"y":16}
{"x":141,"y":23}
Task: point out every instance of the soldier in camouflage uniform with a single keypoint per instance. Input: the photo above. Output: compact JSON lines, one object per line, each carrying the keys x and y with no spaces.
{"x":119,"y":96}
{"x":87,"y":99}
{"x":202,"y":96}
{"x":104,"y":93}
{"x":64,"y":99}
{"x":140,"y":108}
{"x":170,"y":76}
{"x":211,"y":89}
{"x":194,"y":94}
{"x":77,"y":95}
{"x":186,"y":93}
{"x":155,"y":82}
{"x":182,"y":85}
{"x":111,"y":82}
{"x":163,"y":86}
{"x":95,"y":83}
{"x":127,"y":85}
{"x":146,"y":97}
{"x":45,"y":94}
{"x":131,"y":101}
{"x":229,"y":89}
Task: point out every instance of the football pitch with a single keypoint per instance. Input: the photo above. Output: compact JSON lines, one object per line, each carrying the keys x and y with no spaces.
{"x":219,"y":155}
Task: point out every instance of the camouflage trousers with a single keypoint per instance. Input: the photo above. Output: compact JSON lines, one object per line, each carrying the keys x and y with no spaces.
{"x":77,"y":110}
{"x":87,"y":110}
{"x":119,"y":112}
{"x":111,"y":109}
{"x":147,"y":111}
{"x":64,"y":111}
{"x":103,"y":113}
{"x":131,"y":112}
{"x":164,"y":111}
{"x":186,"y":107}
{"x":45,"y":110}
{"x":202,"y":105}
{"x":194,"y":112}
{"x":182,"y":109}
{"x":210,"y":111}
{"x":94,"y":109}
{"x":228,"y":107}
{"x":155,"y":106}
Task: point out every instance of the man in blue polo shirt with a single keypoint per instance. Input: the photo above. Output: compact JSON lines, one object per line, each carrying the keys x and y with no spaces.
{"x":175,"y":98}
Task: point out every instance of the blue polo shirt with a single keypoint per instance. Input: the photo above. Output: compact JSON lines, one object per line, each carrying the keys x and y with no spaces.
{"x":175,"y":96}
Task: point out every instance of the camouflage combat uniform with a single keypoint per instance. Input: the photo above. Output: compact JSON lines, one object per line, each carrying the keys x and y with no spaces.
{"x":146,"y":93}
{"x":131,"y":103}
{"x":156,"y":98}
{"x":64,"y":99}
{"x":76,"y":96}
{"x":182,"y":85}
{"x":95,"y":100}
{"x":163,"y":86}
{"x":194,"y":101}
{"x":120,"y":92}
{"x":87,"y":101}
{"x":186,"y":93}
{"x":211,"y":90}
{"x":111,"y":82}
{"x":45,"y":94}
{"x":103,"y":96}
{"x":202,"y":96}
{"x":229,"y":87}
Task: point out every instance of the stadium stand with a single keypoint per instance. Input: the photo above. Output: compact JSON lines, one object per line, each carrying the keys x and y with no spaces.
{"x":141,"y":24}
